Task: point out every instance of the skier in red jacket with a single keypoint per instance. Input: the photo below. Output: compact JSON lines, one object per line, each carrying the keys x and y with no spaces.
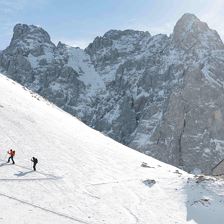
{"x":12,"y":154}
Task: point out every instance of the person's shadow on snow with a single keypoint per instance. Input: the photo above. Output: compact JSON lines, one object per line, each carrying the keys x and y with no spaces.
{"x":21,"y":174}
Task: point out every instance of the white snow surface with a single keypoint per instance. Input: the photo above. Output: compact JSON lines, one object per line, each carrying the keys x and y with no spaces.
{"x":84,"y":177}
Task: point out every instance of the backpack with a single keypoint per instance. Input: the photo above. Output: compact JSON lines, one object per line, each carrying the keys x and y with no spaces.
{"x":35,"y":160}
{"x":13,"y":153}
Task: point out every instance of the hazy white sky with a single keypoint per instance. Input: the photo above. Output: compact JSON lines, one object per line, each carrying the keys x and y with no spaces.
{"x":78,"y":22}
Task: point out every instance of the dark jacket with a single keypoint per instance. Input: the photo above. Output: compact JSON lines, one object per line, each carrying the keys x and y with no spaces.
{"x":34,"y":160}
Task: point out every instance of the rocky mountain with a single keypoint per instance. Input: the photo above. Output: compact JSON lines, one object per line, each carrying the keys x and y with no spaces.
{"x":160,"y":95}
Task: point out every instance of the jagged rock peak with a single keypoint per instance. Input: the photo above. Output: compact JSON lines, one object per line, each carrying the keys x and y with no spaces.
{"x":189,"y":23}
{"x":24,"y":31}
{"x":116,"y":34}
{"x":188,"y":18}
{"x":190,"y":31}
{"x":61,"y":45}
{"x":125,"y":37}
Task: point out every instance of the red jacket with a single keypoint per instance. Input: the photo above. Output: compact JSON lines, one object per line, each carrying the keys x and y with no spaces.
{"x":11,"y":153}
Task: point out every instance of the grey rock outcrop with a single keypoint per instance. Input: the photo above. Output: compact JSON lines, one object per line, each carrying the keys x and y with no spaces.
{"x":157,"y":94}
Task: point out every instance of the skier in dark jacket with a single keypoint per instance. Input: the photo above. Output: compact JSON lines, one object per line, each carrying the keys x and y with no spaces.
{"x":35,"y":161}
{"x":12,"y":154}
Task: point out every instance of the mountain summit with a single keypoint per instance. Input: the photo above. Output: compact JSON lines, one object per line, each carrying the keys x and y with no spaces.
{"x":190,"y":32}
{"x":157,"y":94}
{"x":23,"y":31}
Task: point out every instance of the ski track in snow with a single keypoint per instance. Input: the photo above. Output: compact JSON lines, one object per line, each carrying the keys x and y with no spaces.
{"x":43,"y":209}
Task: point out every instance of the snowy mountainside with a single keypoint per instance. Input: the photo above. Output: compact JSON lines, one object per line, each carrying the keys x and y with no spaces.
{"x":58,"y":73}
{"x":157,"y":94}
{"x":84,"y":177}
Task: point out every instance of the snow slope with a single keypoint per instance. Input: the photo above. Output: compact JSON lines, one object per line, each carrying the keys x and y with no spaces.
{"x":85,"y":177}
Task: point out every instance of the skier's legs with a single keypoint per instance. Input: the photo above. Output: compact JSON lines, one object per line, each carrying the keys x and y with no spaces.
{"x":13,"y":162}
{"x":10,"y":157}
{"x":34,"y":167}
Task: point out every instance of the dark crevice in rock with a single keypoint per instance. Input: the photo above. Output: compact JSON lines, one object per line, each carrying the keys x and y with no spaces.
{"x":181,"y":162}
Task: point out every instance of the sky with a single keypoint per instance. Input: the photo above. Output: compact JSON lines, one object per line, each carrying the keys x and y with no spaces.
{"x":78,"y":22}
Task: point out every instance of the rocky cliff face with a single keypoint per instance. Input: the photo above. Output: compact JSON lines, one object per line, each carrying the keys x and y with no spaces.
{"x":160,"y":95}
